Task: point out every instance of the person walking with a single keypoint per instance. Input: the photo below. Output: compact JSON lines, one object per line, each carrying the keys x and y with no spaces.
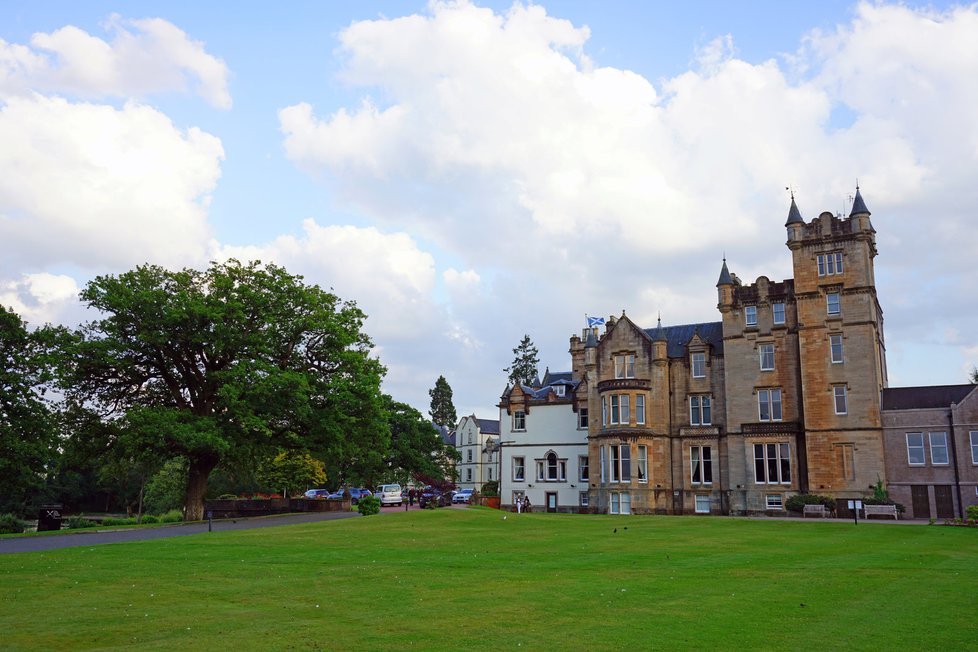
{"x":526,"y":504}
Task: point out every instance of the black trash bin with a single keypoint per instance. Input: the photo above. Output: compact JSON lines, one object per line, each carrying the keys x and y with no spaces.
{"x":48,"y":518}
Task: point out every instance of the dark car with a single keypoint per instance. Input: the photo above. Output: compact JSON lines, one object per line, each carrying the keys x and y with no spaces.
{"x":434,"y":497}
{"x":355,"y":493}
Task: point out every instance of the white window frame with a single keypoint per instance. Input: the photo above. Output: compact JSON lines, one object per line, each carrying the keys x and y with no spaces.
{"x":777,"y":310}
{"x":642,"y":464}
{"x":468,"y":475}
{"x":774,"y":501}
{"x":702,"y":503}
{"x":973,"y":435}
{"x":559,"y":390}
{"x":750,"y":315}
{"x":583,"y":468}
{"x":840,"y":399}
{"x":780,"y":456}
{"x":519,"y":468}
{"x":830,"y":264}
{"x":620,"y":460}
{"x":640,"y":409}
{"x":938,"y":442}
{"x":767,"y":397}
{"x":604,"y":466}
{"x":604,"y":410}
{"x":765,"y":353}
{"x":697,"y":363}
{"x":914,"y":446}
{"x":519,"y":421}
{"x":583,"y":499}
{"x":699,"y":466}
{"x":582,"y":422}
{"x":833,"y":307}
{"x":470,"y":456}
{"x":836,"y":347}
{"x":620,"y":503}
{"x":700,"y":410}
{"x":625,"y":365}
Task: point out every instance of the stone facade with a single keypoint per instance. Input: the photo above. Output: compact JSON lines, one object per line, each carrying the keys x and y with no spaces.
{"x":782,"y":396}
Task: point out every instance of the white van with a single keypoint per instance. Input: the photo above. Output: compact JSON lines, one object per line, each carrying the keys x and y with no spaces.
{"x":389,"y":494}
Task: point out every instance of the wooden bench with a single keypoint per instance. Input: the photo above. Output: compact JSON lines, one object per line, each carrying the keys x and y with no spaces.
{"x":815,"y":509}
{"x":880,"y":510}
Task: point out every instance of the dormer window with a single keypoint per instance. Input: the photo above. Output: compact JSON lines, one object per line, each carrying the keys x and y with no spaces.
{"x":750,"y":315}
{"x":698,"y":364}
{"x":625,"y":366}
{"x":558,"y":390}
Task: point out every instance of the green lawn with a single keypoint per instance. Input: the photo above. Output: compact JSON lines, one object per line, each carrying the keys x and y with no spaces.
{"x":472,"y":579}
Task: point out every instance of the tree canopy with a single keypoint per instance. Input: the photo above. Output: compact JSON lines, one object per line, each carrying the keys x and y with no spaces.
{"x":416,"y":445}
{"x":27,"y":424}
{"x":237,"y":361}
{"x":442,"y":408}
{"x":524,"y":368}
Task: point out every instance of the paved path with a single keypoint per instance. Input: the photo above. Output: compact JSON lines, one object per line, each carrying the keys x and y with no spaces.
{"x":96,"y":536}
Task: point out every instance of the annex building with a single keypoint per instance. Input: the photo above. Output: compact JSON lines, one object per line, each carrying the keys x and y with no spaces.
{"x":785,"y":393}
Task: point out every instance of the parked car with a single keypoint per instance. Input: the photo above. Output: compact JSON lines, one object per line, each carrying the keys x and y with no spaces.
{"x":356,"y":493}
{"x":317,"y":493}
{"x":430,"y":495}
{"x":390,"y":494}
{"x":462,"y":496}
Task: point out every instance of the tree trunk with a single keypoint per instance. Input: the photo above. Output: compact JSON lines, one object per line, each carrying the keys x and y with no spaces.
{"x":200,"y":470}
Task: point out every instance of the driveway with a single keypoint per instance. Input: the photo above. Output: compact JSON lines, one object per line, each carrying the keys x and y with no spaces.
{"x":96,"y":536}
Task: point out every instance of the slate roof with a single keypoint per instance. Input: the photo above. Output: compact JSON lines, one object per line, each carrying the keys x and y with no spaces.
{"x":794,"y":215}
{"x":936,"y":396}
{"x":447,"y":436}
{"x":561,"y":377}
{"x":858,"y":205}
{"x":488,"y":426}
{"x":678,"y":336}
{"x":724,"y":275}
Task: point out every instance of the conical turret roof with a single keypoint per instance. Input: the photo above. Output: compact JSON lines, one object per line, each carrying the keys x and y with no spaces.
{"x":794,"y":215}
{"x":724,"y":275}
{"x":858,"y":205}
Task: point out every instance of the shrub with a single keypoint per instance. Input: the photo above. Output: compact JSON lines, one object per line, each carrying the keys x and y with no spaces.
{"x":118,"y":521}
{"x":149,"y":518}
{"x":368,"y":505}
{"x":490,"y":489}
{"x":10,"y":524}
{"x":172,"y":516}
{"x":797,"y":502}
{"x":80,"y":522}
{"x":972,"y":512}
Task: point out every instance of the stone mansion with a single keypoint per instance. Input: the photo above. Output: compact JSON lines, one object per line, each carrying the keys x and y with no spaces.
{"x":786,"y":393}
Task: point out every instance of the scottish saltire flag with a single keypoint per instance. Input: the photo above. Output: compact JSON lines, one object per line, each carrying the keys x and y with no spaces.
{"x":594,"y":321}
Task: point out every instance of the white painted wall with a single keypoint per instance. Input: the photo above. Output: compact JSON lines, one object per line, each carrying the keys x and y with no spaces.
{"x":548,"y":428}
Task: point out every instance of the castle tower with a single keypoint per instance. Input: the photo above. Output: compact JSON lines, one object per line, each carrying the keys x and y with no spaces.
{"x":841,"y":349}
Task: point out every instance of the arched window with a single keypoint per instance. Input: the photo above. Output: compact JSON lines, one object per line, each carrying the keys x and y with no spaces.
{"x":552,"y":466}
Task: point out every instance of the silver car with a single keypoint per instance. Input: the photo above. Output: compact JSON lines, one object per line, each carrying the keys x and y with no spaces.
{"x":389,"y":494}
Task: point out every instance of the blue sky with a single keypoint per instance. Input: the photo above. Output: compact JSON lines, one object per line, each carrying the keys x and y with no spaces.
{"x":473,"y":172}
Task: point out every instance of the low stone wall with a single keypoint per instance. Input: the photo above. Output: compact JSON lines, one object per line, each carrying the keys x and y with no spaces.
{"x":270,"y":506}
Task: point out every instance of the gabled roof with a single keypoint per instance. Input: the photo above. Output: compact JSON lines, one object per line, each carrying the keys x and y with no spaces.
{"x":934,"y":396}
{"x":678,"y":336}
{"x":488,"y":426}
{"x":554,"y":377}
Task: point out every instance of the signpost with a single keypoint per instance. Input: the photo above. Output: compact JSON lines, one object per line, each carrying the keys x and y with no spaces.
{"x":855,"y":506}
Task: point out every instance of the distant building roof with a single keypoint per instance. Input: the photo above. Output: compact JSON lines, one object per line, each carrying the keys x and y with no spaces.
{"x":447,"y":436}
{"x":935,"y":396}
{"x":678,"y":336}
{"x":488,"y":426}
{"x":858,"y":205}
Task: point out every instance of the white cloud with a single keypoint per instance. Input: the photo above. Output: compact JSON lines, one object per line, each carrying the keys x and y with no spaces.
{"x":391,"y":279}
{"x":576,"y":187}
{"x":144,"y":57}
{"x":100,"y":187}
{"x":43,"y":298}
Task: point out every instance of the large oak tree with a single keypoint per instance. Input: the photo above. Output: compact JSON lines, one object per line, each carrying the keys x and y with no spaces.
{"x":231,"y":363}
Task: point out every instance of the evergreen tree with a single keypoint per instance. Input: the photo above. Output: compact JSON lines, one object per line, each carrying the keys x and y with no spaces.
{"x":974,"y":374}
{"x":442,"y":409}
{"x":524,"y":367}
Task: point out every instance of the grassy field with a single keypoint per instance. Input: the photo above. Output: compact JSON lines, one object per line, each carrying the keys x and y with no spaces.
{"x":470,"y":579}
